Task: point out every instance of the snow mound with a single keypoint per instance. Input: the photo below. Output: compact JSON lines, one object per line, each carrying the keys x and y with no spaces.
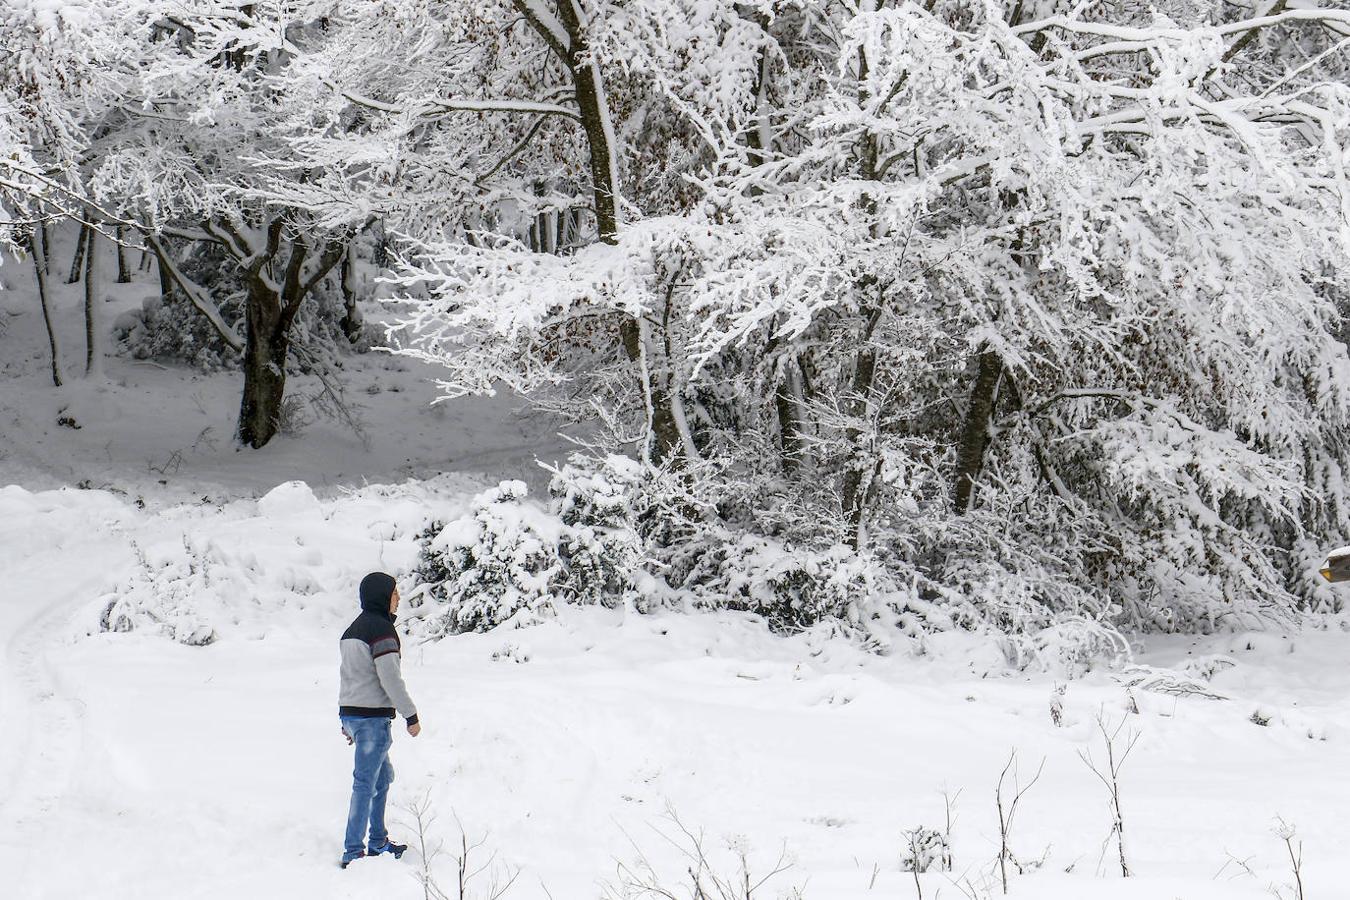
{"x":292,"y":498}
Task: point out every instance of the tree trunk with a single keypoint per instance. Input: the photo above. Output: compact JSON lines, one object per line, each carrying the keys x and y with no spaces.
{"x":789,"y":445}
{"x":603,"y":159}
{"x":46,"y":248}
{"x":77,"y":263}
{"x":857,"y":475}
{"x":599,"y":139}
{"x":265,"y":349}
{"x":760,"y":137}
{"x":93,"y":313}
{"x":602,"y":152}
{"x":975,"y":432}
{"x":351,"y":322}
{"x":664,"y":428}
{"x":38,"y":250}
{"x":855,"y":487}
{"x":271,"y":313}
{"x":165,"y":278}
{"x":123,"y":268}
{"x":790,"y":406}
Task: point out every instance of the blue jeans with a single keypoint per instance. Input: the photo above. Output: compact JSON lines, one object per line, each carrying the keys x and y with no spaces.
{"x":370,"y":782}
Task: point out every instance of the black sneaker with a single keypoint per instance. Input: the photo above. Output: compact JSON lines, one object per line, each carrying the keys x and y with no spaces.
{"x":389,"y":847}
{"x":348,"y":861}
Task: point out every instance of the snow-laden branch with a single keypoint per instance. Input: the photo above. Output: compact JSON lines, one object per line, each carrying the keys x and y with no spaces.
{"x":197,"y":295}
{"x":429,"y":107}
{"x":1133,"y":39}
{"x":547,"y":25}
{"x":1126,"y":35}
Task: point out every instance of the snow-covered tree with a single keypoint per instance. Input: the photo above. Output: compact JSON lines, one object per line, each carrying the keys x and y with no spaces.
{"x":1035,"y":302}
{"x":1034,"y":308}
{"x":169,"y":120}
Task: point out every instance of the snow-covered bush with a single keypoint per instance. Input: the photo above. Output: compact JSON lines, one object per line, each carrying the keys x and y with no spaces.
{"x":169,"y":327}
{"x":166,"y":595}
{"x":618,"y":531}
{"x":925,"y":849}
{"x":281,"y":565}
{"x":500,"y":559}
{"x":791,"y":587}
{"x":510,"y":554}
{"x":1070,"y":647}
{"x":601,"y":548}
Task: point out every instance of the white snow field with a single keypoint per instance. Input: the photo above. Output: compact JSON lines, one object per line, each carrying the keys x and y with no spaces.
{"x":135,"y":766}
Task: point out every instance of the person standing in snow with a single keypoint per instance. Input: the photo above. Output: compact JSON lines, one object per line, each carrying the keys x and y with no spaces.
{"x":371,"y":691}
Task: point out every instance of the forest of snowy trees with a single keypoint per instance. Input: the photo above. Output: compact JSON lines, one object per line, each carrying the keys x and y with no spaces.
{"x":912,"y":315}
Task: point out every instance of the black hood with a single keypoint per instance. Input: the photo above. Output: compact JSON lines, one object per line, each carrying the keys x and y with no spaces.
{"x":377,"y":589}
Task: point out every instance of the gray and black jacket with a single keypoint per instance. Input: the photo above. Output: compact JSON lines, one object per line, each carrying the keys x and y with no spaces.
{"x":371,"y":678}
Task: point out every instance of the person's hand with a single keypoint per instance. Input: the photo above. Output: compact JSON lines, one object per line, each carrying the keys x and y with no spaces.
{"x":415,"y":729}
{"x":348,"y":737}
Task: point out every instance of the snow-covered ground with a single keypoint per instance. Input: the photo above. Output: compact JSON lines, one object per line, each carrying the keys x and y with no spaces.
{"x":140,"y":767}
{"x":167,"y":431}
{"x":132,"y":766}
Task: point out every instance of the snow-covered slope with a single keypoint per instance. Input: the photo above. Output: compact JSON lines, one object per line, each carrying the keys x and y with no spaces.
{"x":166,"y":432}
{"x":139,"y":767}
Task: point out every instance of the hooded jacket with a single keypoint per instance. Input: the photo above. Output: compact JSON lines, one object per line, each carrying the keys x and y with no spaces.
{"x":371,"y":680}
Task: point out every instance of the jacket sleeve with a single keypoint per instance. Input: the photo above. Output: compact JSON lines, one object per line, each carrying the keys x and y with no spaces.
{"x":389,"y":669}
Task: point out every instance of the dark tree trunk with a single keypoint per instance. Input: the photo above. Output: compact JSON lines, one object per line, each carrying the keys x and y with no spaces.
{"x":975,"y":431}
{"x":93,"y":318}
{"x":123,"y":269}
{"x":602,"y":154}
{"x":594,"y":119}
{"x":271,"y":313}
{"x":265,"y":352}
{"x":38,"y":247}
{"x":760,"y":135}
{"x":665,"y":431}
{"x":77,"y":263}
{"x":165,"y":279}
{"x":790,"y":444}
{"x":790,"y":408}
{"x":46,"y":237}
{"x":351,"y":323}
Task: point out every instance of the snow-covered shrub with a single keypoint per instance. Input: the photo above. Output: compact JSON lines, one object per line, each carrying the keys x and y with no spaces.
{"x":510,"y":554}
{"x":165,"y":595}
{"x":169,"y":327}
{"x":601,"y":493}
{"x":791,"y":587}
{"x":601,"y":548}
{"x":1071,"y":647}
{"x":283,"y":564}
{"x":172,"y":329}
{"x":497,"y":561}
{"x":924,"y":849}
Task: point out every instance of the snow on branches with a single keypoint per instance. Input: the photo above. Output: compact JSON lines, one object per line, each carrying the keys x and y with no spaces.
{"x":1086,"y":266}
{"x":1035,"y":308}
